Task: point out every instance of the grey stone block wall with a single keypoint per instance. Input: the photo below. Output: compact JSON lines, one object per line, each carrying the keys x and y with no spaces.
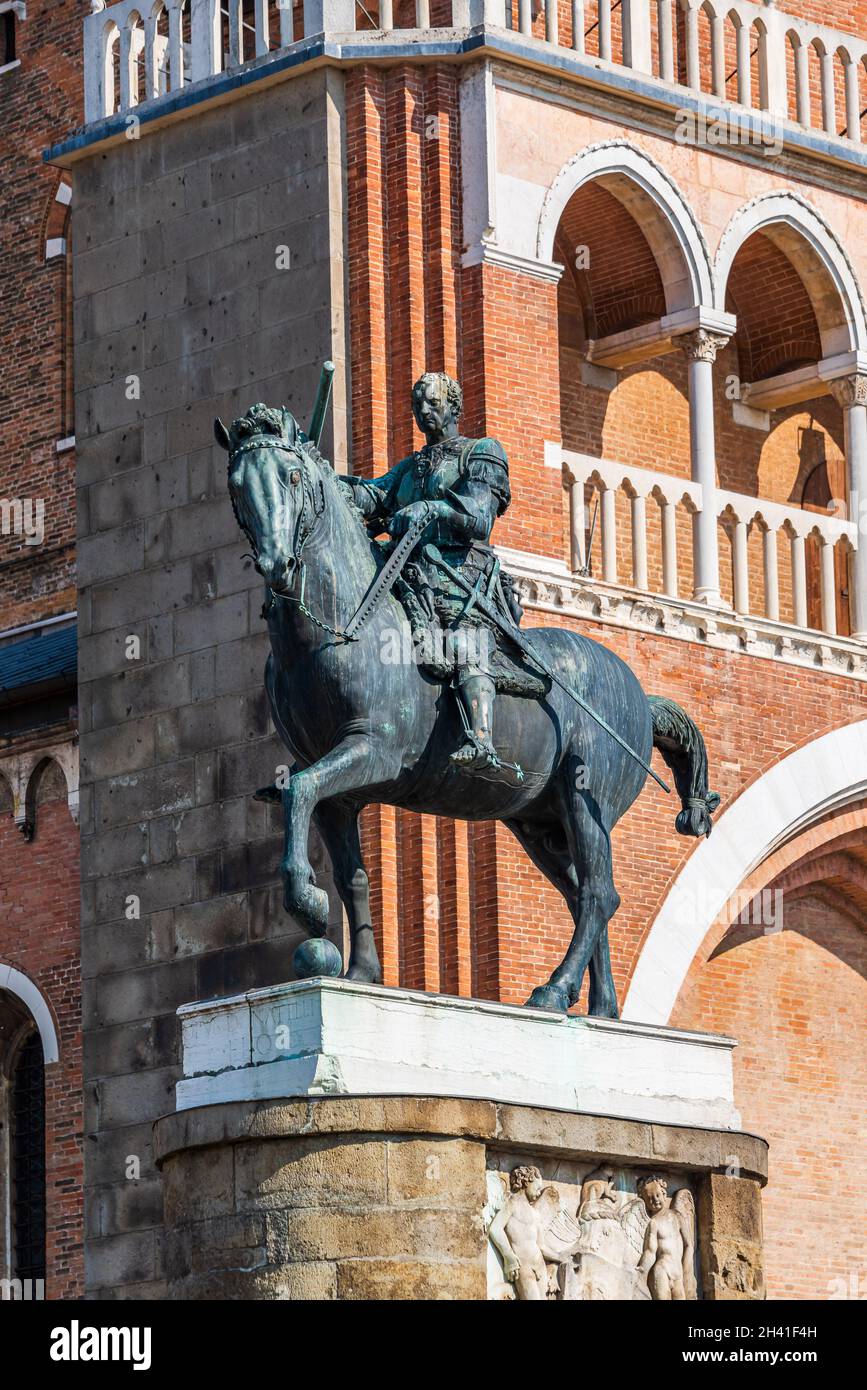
{"x":176,"y":283}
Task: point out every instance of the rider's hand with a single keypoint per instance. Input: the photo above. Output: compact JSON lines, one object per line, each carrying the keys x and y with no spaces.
{"x":407,"y":516}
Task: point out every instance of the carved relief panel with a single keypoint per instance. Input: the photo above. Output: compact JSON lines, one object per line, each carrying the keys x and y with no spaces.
{"x":589,"y":1231}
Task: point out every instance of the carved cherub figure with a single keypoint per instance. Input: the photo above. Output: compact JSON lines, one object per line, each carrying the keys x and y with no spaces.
{"x":521,"y":1233}
{"x":669,"y":1240}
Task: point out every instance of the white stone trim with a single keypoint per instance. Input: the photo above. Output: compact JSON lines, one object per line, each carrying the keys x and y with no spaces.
{"x":55,"y":246}
{"x":339,"y":1037}
{"x":688,"y":285}
{"x":823,"y":775}
{"x":849,"y":332}
{"x":20,"y":770}
{"x":488,"y":253}
{"x":24,"y":989}
{"x":549,"y":586}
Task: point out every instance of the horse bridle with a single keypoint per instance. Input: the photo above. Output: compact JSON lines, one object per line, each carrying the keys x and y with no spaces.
{"x":304,"y":526}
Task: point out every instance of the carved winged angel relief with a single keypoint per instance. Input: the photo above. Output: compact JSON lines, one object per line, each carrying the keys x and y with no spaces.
{"x":617,"y":1245}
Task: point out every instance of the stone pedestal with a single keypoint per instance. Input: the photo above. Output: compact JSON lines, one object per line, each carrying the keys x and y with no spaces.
{"x":318,"y":1195}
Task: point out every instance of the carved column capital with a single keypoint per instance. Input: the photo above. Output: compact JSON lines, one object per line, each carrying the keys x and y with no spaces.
{"x":702,"y":345}
{"x":850,"y":390}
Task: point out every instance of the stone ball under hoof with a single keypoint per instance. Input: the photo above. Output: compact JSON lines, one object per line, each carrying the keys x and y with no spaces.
{"x":317,"y":956}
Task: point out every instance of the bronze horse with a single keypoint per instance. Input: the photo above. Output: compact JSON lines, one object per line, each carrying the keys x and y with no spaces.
{"x":362,"y":728}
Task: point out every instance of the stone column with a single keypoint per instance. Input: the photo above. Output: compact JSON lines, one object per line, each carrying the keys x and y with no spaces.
{"x":701,"y":348}
{"x":851,"y":395}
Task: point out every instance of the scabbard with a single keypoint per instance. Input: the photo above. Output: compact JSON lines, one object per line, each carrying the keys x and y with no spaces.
{"x":517,"y":638}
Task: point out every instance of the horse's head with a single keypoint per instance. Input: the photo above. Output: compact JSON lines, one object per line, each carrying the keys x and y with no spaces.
{"x":276,"y":487}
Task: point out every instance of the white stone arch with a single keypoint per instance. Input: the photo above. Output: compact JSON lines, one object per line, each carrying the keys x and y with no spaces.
{"x":822,"y":776}
{"x":651,"y":195}
{"x":23,"y":988}
{"x":807,"y":240}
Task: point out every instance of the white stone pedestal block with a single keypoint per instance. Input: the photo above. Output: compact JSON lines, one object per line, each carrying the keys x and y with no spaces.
{"x":337,"y":1037}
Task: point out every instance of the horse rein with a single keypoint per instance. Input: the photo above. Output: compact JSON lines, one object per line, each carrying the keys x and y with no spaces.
{"x":299,"y":540}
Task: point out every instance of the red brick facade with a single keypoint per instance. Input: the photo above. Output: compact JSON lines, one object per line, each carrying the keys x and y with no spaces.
{"x":478,"y":918}
{"x":39,"y":902}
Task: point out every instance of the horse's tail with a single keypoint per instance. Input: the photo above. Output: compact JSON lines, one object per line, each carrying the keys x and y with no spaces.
{"x":682,"y":746}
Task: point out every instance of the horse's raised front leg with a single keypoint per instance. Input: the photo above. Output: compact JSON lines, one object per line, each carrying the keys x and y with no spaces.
{"x":598,"y":900}
{"x":337,"y":823}
{"x":358,"y":761}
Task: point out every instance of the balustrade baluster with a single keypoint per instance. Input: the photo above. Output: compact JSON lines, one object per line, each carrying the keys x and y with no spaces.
{"x":666,"y":47}
{"x":261,"y":26}
{"x":799,"y":580}
{"x":525,"y":16}
{"x":235,"y":56}
{"x":718,"y":55}
{"x":802,"y":85}
{"x":639,"y":541}
{"x":577,"y":524}
{"x":128,"y":84}
{"x":176,"y":48}
{"x":853,"y":103}
{"x":152,"y":76}
{"x":608,"y":515}
{"x":772,"y":577}
{"x":552,"y":22}
{"x":578,"y":25}
{"x":605,"y":30}
{"x":693,"y":63}
{"x":669,"y":549}
{"x":829,"y":98}
{"x":745,"y":72}
{"x":740,"y":567}
{"x":828,"y":581}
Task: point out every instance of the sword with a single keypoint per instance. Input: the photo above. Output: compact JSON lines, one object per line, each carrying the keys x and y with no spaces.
{"x":520,"y":641}
{"x":386,"y":577}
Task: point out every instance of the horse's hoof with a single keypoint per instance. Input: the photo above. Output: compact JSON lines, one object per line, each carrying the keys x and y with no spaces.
{"x":310,"y":906}
{"x":554,"y":998}
{"x":369,"y":972}
{"x":603,"y":1010}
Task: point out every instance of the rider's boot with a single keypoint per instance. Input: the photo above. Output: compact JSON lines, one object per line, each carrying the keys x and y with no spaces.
{"x":477,"y":694}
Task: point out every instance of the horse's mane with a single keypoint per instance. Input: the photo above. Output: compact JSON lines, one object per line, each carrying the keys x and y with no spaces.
{"x":279,"y":423}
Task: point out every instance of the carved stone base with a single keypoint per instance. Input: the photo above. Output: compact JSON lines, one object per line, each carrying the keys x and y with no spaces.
{"x":391,"y":1198}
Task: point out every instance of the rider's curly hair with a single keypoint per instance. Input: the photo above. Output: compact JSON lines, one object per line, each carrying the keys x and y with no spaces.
{"x":445,"y":384}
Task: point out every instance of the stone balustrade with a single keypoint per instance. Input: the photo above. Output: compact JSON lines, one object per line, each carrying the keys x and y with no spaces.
{"x":753,"y":55}
{"x":606,"y":497}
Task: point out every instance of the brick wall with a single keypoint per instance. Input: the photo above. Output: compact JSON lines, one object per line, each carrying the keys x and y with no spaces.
{"x":794,"y":1000}
{"x":39,"y":881}
{"x":39,"y":937}
{"x":37,"y":100}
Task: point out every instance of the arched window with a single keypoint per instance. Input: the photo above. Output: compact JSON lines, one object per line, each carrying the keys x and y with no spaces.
{"x":22,"y":1150}
{"x":27,"y":1145}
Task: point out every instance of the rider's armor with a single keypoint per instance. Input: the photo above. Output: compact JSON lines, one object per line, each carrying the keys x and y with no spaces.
{"x":472,"y":477}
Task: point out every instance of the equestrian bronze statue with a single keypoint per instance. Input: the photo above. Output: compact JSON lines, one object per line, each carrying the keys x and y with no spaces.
{"x":399,"y":673}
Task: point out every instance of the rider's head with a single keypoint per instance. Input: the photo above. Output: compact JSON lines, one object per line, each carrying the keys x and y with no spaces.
{"x":437,"y":401}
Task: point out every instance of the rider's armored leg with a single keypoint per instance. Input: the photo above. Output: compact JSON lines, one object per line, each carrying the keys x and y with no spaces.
{"x":476,"y":692}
